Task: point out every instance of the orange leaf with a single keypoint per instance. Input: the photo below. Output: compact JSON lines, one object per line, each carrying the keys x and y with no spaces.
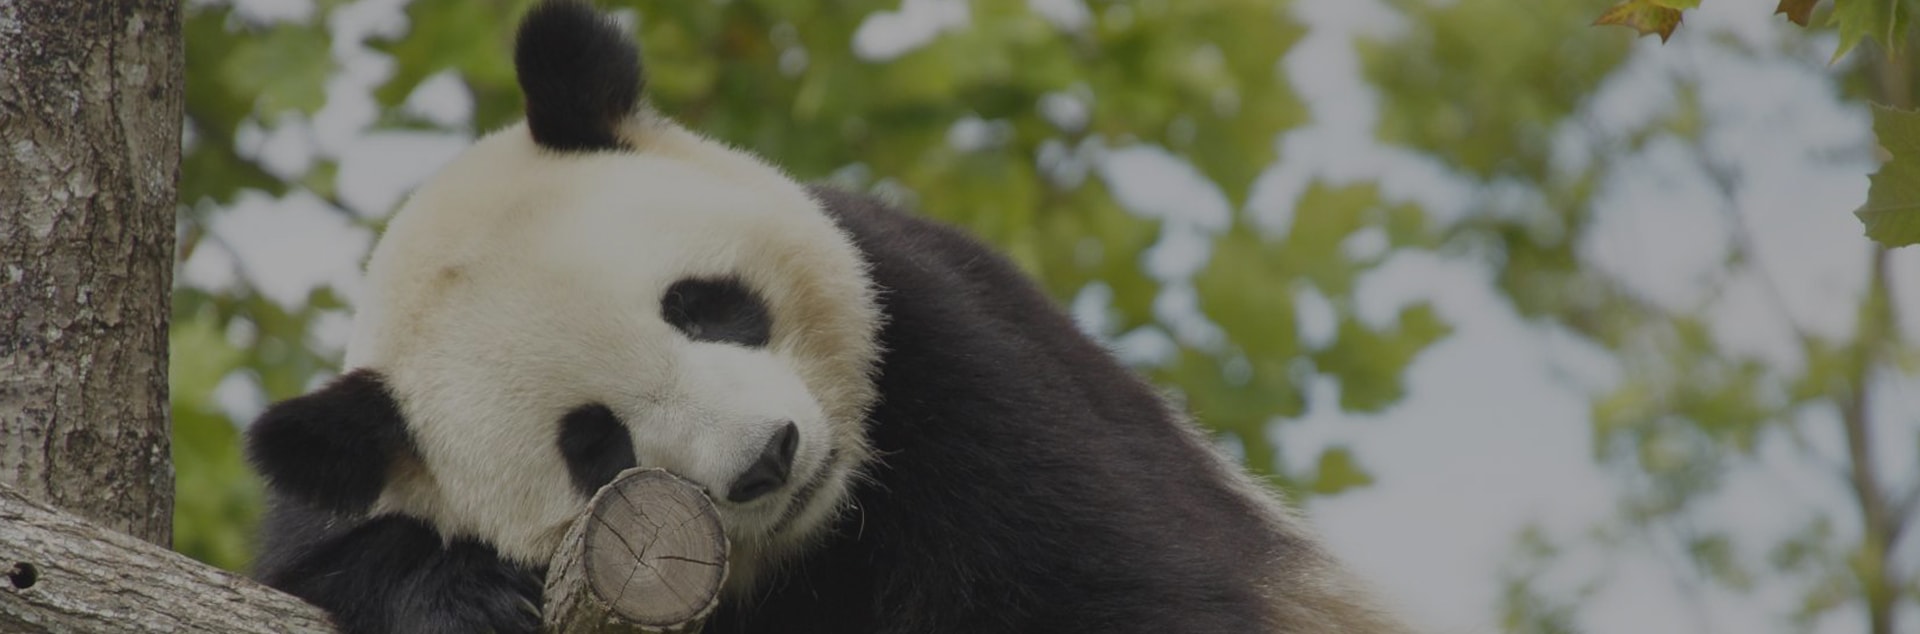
{"x":1644,"y":16}
{"x":1797,"y":10}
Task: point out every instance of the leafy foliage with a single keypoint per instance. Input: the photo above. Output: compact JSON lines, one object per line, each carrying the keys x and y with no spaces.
{"x":212,"y":523}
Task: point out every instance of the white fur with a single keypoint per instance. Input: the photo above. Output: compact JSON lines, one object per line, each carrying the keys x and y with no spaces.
{"x":520,"y":283}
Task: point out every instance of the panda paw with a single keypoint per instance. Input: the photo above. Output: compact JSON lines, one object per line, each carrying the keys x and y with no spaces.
{"x":396,"y":575}
{"x":471,"y":589}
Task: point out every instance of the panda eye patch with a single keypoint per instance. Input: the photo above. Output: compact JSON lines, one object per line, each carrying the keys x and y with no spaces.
{"x":720,"y":310}
{"x":595,"y":446}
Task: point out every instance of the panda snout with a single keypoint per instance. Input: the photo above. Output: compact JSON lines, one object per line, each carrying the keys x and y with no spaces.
{"x":770,"y":470}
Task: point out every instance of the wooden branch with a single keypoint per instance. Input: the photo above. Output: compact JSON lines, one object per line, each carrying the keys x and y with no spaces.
{"x":60,"y":574}
{"x":647,"y":557}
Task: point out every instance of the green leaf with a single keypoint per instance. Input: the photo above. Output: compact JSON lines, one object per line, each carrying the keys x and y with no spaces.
{"x":1339,"y":472}
{"x":1246,"y":294}
{"x":1647,"y":16}
{"x":1892,"y":212}
{"x":1882,"y":20}
{"x":1799,"y":11}
{"x":1370,"y":364}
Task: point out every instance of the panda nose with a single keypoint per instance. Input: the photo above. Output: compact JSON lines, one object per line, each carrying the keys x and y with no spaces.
{"x":770,"y":470}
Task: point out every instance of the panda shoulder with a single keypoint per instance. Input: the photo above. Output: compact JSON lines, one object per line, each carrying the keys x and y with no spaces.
{"x":892,"y":237}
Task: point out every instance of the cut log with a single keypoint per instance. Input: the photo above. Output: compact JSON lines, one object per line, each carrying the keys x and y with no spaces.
{"x":62,"y":574}
{"x":647,"y":557}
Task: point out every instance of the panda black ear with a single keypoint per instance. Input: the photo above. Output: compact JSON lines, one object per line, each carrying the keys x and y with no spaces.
{"x":333,"y":448}
{"x":580,"y":72}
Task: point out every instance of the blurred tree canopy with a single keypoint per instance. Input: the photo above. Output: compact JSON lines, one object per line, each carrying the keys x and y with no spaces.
{"x":1007,"y":121}
{"x":1692,"y":409}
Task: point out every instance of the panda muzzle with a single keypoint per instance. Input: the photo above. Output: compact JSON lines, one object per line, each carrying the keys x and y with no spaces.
{"x":770,"y":470}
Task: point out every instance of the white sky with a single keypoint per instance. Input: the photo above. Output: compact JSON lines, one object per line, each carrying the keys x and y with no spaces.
{"x":1494,"y":431}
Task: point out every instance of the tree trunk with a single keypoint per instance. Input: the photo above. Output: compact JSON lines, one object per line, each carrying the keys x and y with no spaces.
{"x":91,"y":99}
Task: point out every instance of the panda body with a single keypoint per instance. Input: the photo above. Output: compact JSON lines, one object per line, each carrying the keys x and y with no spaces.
{"x":901,"y":432}
{"x":1028,"y":482}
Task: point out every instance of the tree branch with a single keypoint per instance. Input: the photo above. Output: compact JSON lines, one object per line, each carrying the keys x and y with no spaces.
{"x":1878,"y":527}
{"x":64,"y":575}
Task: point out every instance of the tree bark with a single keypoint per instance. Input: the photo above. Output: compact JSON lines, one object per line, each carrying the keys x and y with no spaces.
{"x":646,"y":557}
{"x":62,"y":575}
{"x":91,"y":97}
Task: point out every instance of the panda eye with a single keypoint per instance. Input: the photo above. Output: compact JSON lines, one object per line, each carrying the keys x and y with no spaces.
{"x":717,"y":310}
{"x":595,"y":446}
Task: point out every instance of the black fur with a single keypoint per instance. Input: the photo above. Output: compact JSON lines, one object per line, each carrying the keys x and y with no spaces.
{"x":717,"y":310}
{"x":581,"y":75}
{"x":1029,"y":482}
{"x":326,"y":457}
{"x":333,"y":448}
{"x":596,"y":447}
{"x":395,"y":575}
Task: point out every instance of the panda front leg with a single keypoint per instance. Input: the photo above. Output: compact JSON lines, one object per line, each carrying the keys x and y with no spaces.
{"x":326,"y":457}
{"x":395,"y":574}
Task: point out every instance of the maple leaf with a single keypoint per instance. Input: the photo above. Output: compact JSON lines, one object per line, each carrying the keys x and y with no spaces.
{"x":1882,"y":20}
{"x":1647,"y":16}
{"x":1797,"y":10}
{"x":1892,"y":212}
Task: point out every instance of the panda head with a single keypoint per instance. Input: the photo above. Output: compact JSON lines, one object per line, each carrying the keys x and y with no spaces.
{"x":591,"y":290}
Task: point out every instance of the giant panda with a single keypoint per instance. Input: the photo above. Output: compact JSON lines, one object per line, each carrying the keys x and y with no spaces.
{"x":900,"y":431}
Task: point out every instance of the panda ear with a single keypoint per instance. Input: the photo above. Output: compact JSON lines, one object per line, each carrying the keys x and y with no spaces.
{"x":580,"y":72}
{"x":333,"y":448}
